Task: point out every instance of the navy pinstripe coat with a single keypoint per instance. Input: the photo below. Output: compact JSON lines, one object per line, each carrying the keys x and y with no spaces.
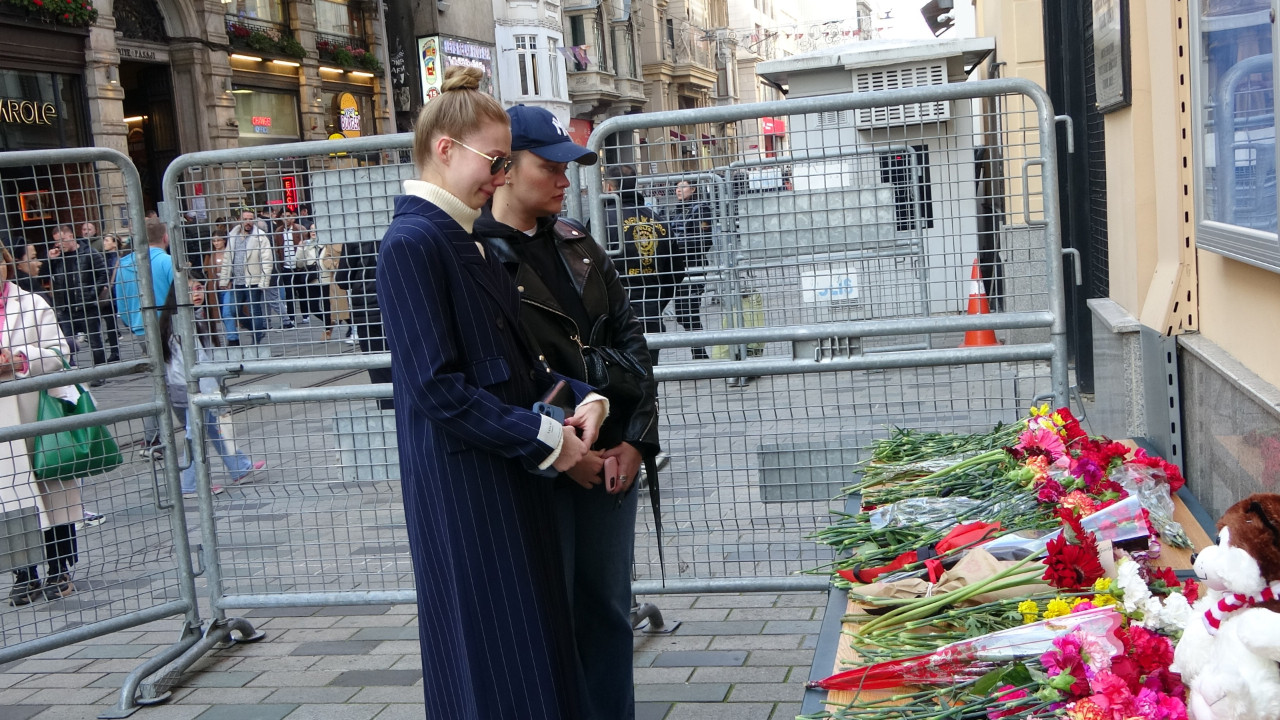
{"x":497,"y":641}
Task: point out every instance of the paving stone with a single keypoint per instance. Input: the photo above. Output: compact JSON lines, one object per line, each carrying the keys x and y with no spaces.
{"x":741,"y":627}
{"x":32,"y":666}
{"x":669,"y":602}
{"x":228,"y":696}
{"x":309,"y":635}
{"x":343,"y":663}
{"x":95,"y":652}
{"x":407,"y":662}
{"x":247,"y":712}
{"x":388,"y":620}
{"x":650,"y":675}
{"x":735,"y":601}
{"x":21,"y":712}
{"x":781,"y":657}
{"x":335,"y":712}
{"x":755,"y":642}
{"x":171,"y":711}
{"x":809,"y":642}
{"x":685,"y":615}
{"x":402,"y":694}
{"x":683,"y":692}
{"x":767,"y":692}
{"x":281,"y":612}
{"x":398,"y":647}
{"x":652,"y":710}
{"x":218,"y":679}
{"x":401,"y":712}
{"x":290,"y":623}
{"x":793,"y":627}
{"x":386,"y":633}
{"x":664,"y":643}
{"x":353,"y":610}
{"x":642,"y":659}
{"x":16,"y":696}
{"x":741,"y":674}
{"x":5,"y":667}
{"x":306,"y":678}
{"x":772,"y":613}
{"x":110,"y":680}
{"x":786,"y":711}
{"x":700,"y":658}
{"x":68,"y":696}
{"x":808,"y":599}
{"x":294,"y":695}
{"x":291,"y":663}
{"x":403,"y":610}
{"x":366,"y":678}
{"x":725,"y":711}
{"x":339,"y":647}
{"x":59,"y":680}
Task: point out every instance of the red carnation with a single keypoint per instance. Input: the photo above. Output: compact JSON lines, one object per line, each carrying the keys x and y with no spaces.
{"x":1071,"y":567}
{"x":1071,"y":426}
{"x":38,"y":3}
{"x":1191,"y":589}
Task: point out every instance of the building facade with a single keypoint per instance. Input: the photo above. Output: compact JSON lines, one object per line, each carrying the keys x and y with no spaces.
{"x":426,"y":36}
{"x":1190,"y":258}
{"x":603,"y":65}
{"x":529,"y":40}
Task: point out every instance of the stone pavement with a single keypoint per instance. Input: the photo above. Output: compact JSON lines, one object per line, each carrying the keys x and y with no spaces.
{"x":739,"y":657}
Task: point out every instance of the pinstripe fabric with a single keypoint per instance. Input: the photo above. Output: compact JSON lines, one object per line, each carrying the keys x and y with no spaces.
{"x":497,"y":640}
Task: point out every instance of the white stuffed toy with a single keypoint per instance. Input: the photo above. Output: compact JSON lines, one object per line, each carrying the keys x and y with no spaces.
{"x":1230,"y":650}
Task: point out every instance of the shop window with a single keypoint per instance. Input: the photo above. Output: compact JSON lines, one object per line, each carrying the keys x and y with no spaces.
{"x":40,"y":111}
{"x":578,"y":38}
{"x":347,"y":114}
{"x":337,"y":17}
{"x":266,"y":116}
{"x":1234,"y":114}
{"x":527,"y":63}
{"x":269,"y":11}
{"x":908,"y":173}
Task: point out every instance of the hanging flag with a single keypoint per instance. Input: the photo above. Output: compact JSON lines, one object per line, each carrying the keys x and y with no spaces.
{"x":567,"y":53}
{"x":580,"y":56}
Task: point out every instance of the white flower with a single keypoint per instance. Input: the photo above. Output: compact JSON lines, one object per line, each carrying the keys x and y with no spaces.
{"x":1136,"y":592}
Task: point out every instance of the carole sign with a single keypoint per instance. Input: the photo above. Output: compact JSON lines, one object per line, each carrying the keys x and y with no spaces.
{"x":27,"y":112}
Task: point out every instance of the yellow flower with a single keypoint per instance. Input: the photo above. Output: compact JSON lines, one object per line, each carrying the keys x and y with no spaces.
{"x":1104,"y":600}
{"x":1057,"y":608}
{"x":1102,"y":584}
{"x":1030,"y":611}
{"x":1037,"y":411}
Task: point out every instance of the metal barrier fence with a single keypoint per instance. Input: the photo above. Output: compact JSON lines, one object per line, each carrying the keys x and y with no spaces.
{"x":830,"y":274}
{"x":86,"y":554}
{"x":809,"y":287}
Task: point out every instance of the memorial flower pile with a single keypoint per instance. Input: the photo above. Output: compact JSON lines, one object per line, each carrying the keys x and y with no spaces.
{"x":1011,"y":574}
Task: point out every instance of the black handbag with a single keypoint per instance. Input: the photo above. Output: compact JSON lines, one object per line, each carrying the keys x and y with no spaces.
{"x":614,"y":373}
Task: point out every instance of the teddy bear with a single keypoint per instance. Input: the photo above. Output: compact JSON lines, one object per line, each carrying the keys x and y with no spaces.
{"x":1230,"y":650}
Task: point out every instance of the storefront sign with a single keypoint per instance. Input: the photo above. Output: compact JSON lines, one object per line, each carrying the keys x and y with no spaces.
{"x":27,"y":112}
{"x":348,"y":115}
{"x":773,"y":126}
{"x":262,"y":124}
{"x":1111,"y":71}
{"x":435,"y":53}
{"x":579,"y":130}
{"x":143,"y":54}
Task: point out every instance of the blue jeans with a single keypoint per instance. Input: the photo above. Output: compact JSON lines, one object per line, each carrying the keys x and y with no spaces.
{"x":252,"y":297}
{"x":227,"y":308}
{"x":238,"y":464}
{"x":597,"y":540}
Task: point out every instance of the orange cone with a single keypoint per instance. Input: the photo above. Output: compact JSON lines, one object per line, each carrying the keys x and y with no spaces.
{"x":978,"y":306}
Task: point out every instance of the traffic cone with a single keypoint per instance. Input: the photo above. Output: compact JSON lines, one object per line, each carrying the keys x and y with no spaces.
{"x":978,"y":306}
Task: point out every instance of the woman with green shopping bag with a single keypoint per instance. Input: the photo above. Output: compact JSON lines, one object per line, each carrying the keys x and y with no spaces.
{"x":30,"y":343}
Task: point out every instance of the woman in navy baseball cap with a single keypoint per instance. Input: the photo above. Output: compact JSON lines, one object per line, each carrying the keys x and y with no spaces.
{"x":575,"y":307}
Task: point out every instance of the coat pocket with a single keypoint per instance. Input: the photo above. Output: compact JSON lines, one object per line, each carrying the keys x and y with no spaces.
{"x":490,"y":371}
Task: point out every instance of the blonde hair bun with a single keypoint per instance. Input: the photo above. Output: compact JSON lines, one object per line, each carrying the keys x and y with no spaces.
{"x":457,"y":77}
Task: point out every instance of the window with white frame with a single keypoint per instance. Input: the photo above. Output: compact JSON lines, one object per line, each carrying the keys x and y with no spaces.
{"x":553,"y":66}
{"x":1235,"y":130}
{"x":527,"y":62}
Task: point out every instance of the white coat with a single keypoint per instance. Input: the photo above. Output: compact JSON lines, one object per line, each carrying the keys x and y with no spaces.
{"x":30,"y":328}
{"x":259,"y":257}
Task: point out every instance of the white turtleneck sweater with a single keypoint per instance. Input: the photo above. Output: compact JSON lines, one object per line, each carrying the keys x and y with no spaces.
{"x":551,"y":432}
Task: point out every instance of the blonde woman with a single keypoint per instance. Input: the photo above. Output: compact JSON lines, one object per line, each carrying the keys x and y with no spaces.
{"x":475,"y":460}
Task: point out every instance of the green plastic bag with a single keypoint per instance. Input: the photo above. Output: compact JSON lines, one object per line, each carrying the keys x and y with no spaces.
{"x":72,"y":454}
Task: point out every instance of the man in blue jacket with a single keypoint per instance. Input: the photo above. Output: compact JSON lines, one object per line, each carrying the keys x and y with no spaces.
{"x":129,"y":304}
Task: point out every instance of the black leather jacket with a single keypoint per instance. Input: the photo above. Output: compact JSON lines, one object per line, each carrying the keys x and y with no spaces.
{"x":357,"y":271}
{"x":557,"y":335}
{"x":77,"y":280}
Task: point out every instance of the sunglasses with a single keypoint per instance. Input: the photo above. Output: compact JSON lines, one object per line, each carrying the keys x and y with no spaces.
{"x":498,"y":164}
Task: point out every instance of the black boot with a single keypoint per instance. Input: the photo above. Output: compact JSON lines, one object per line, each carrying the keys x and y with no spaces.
{"x":26,"y":587}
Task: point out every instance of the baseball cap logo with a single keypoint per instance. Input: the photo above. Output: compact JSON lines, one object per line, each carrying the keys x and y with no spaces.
{"x":559,"y":128}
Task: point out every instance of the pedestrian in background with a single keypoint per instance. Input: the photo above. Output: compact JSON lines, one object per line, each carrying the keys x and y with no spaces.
{"x":572,"y":296}
{"x":30,"y":344}
{"x":78,"y":279}
{"x":129,"y":304}
{"x":473,"y":455}
{"x":29,"y":265}
{"x":238,"y":465}
{"x":690,"y":223}
{"x":650,"y":266}
{"x":249,"y":275}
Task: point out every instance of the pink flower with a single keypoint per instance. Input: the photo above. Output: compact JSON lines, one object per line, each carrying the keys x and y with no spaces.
{"x":1042,"y":441}
{"x":1152,"y":705}
{"x":1111,"y":687}
{"x":1006,"y":694}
